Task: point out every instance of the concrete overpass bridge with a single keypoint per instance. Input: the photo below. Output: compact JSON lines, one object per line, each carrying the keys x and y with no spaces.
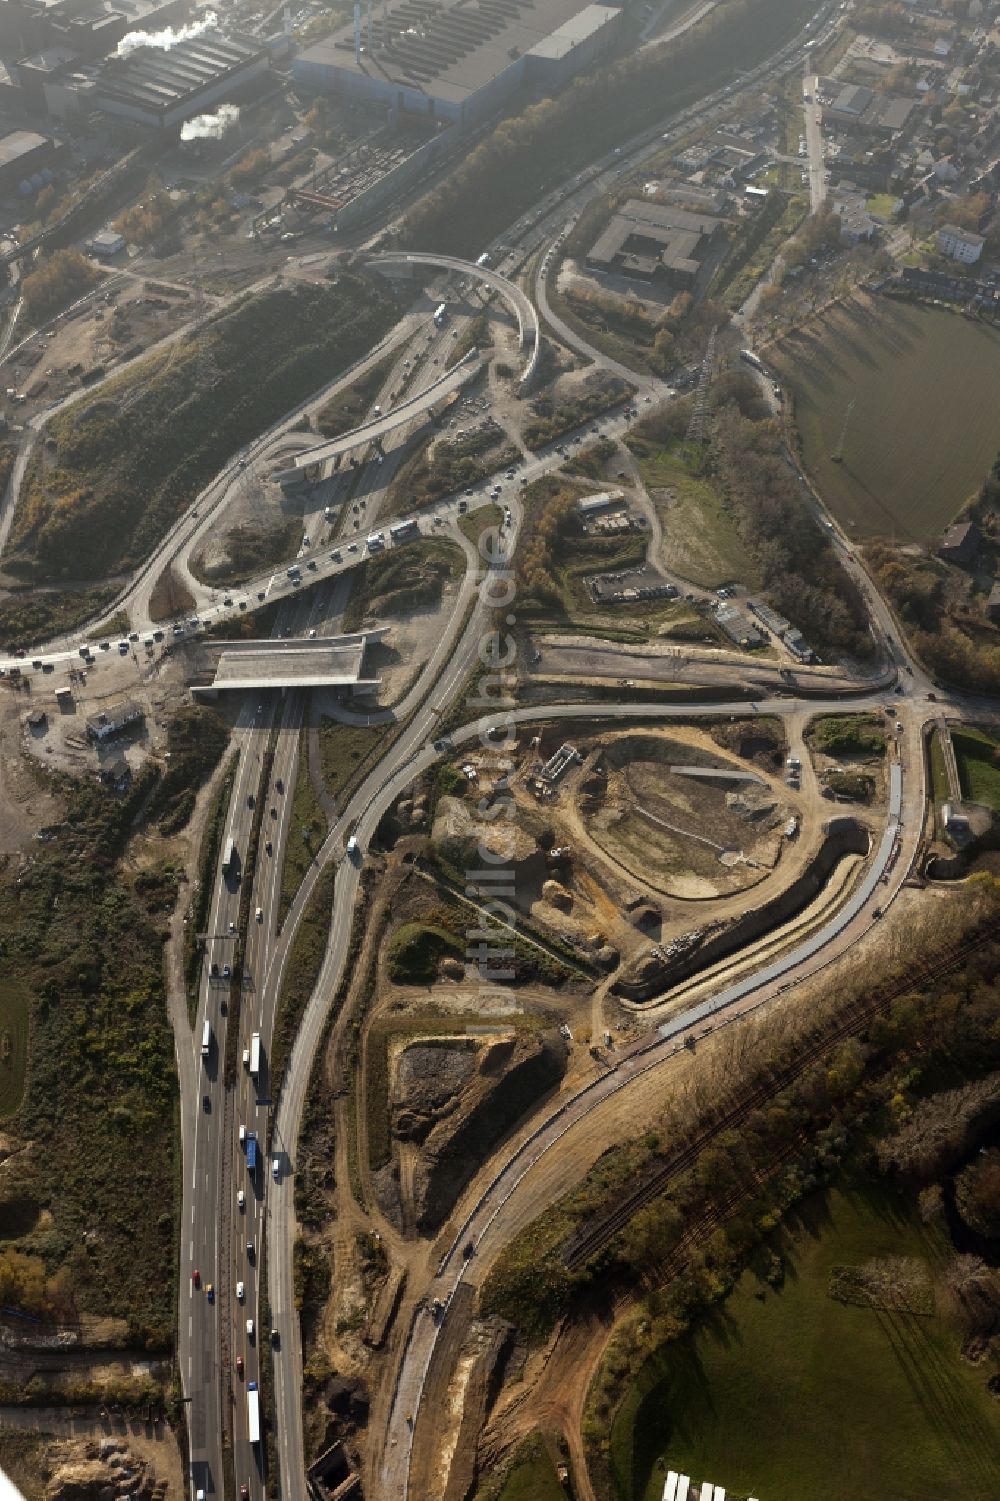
{"x":412,"y":408}
{"x":300,"y":662}
{"x":517,"y":300}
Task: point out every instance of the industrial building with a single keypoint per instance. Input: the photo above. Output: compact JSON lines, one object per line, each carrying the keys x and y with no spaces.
{"x":112,"y":722}
{"x":24,"y":155}
{"x":738,"y":627}
{"x":655,"y":241}
{"x":456,"y":61}
{"x":86,"y":28}
{"x":105,"y":245}
{"x":164,"y":86}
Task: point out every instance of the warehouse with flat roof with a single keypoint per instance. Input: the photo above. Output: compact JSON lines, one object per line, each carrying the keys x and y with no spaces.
{"x":655,"y":241}
{"x":164,"y":86}
{"x":458,"y":60}
{"x":23,"y":153}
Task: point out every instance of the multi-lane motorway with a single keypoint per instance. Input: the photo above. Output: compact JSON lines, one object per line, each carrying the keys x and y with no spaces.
{"x":266,"y":958}
{"x":223,"y":1234}
{"x":222,"y":1237}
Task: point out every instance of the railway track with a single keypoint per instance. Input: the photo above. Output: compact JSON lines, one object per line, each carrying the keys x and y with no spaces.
{"x":585,"y":1243}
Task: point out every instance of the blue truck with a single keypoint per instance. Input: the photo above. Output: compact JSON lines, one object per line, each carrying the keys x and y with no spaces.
{"x":251,"y":1151}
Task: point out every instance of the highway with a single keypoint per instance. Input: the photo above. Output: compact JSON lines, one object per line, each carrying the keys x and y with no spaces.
{"x":518,"y":302}
{"x":813,"y":113}
{"x":410,"y":409}
{"x":216,"y":1228}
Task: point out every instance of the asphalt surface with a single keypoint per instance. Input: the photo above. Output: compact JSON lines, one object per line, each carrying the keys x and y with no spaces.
{"x":215,"y":1228}
{"x":813,"y":114}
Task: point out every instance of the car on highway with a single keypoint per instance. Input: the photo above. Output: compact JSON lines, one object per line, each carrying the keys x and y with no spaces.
{"x":279,"y":785}
{"x":276,"y":1168}
{"x":269,"y":847}
{"x":241,"y":1292}
{"x":210,"y":1292}
{"x":260,"y":914}
{"x":250,"y":1329}
{"x":206,"y":1103}
{"x":239,"y":1366}
{"x":232,"y":927}
{"x":196,"y":1277}
{"x":226,"y":972}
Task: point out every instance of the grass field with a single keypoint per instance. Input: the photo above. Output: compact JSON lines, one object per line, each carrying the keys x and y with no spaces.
{"x":847,"y":735}
{"x":21,"y":1459}
{"x":302,"y":972}
{"x":881,"y":205}
{"x":533,"y":1476}
{"x":925,"y":424}
{"x":700,"y":541}
{"x":939,"y":773}
{"x":791,"y":1394}
{"x":307,"y":829}
{"x":14,"y":1015}
{"x":343,"y":748}
{"x":978,"y":757}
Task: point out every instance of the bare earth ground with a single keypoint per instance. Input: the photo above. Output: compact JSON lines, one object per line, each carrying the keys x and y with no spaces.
{"x":25,"y":804}
{"x":154,"y":1445}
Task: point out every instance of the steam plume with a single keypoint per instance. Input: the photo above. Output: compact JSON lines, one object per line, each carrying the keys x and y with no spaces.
{"x":166,"y":39}
{"x":210,"y":127}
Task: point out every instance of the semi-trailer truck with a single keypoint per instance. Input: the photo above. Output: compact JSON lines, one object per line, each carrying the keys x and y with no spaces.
{"x":255,"y":1055}
{"x":206,"y":1038}
{"x":251,"y":1152}
{"x":253,"y":1412}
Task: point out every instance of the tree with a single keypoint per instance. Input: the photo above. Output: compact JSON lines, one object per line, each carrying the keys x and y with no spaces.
{"x":65,"y":276}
